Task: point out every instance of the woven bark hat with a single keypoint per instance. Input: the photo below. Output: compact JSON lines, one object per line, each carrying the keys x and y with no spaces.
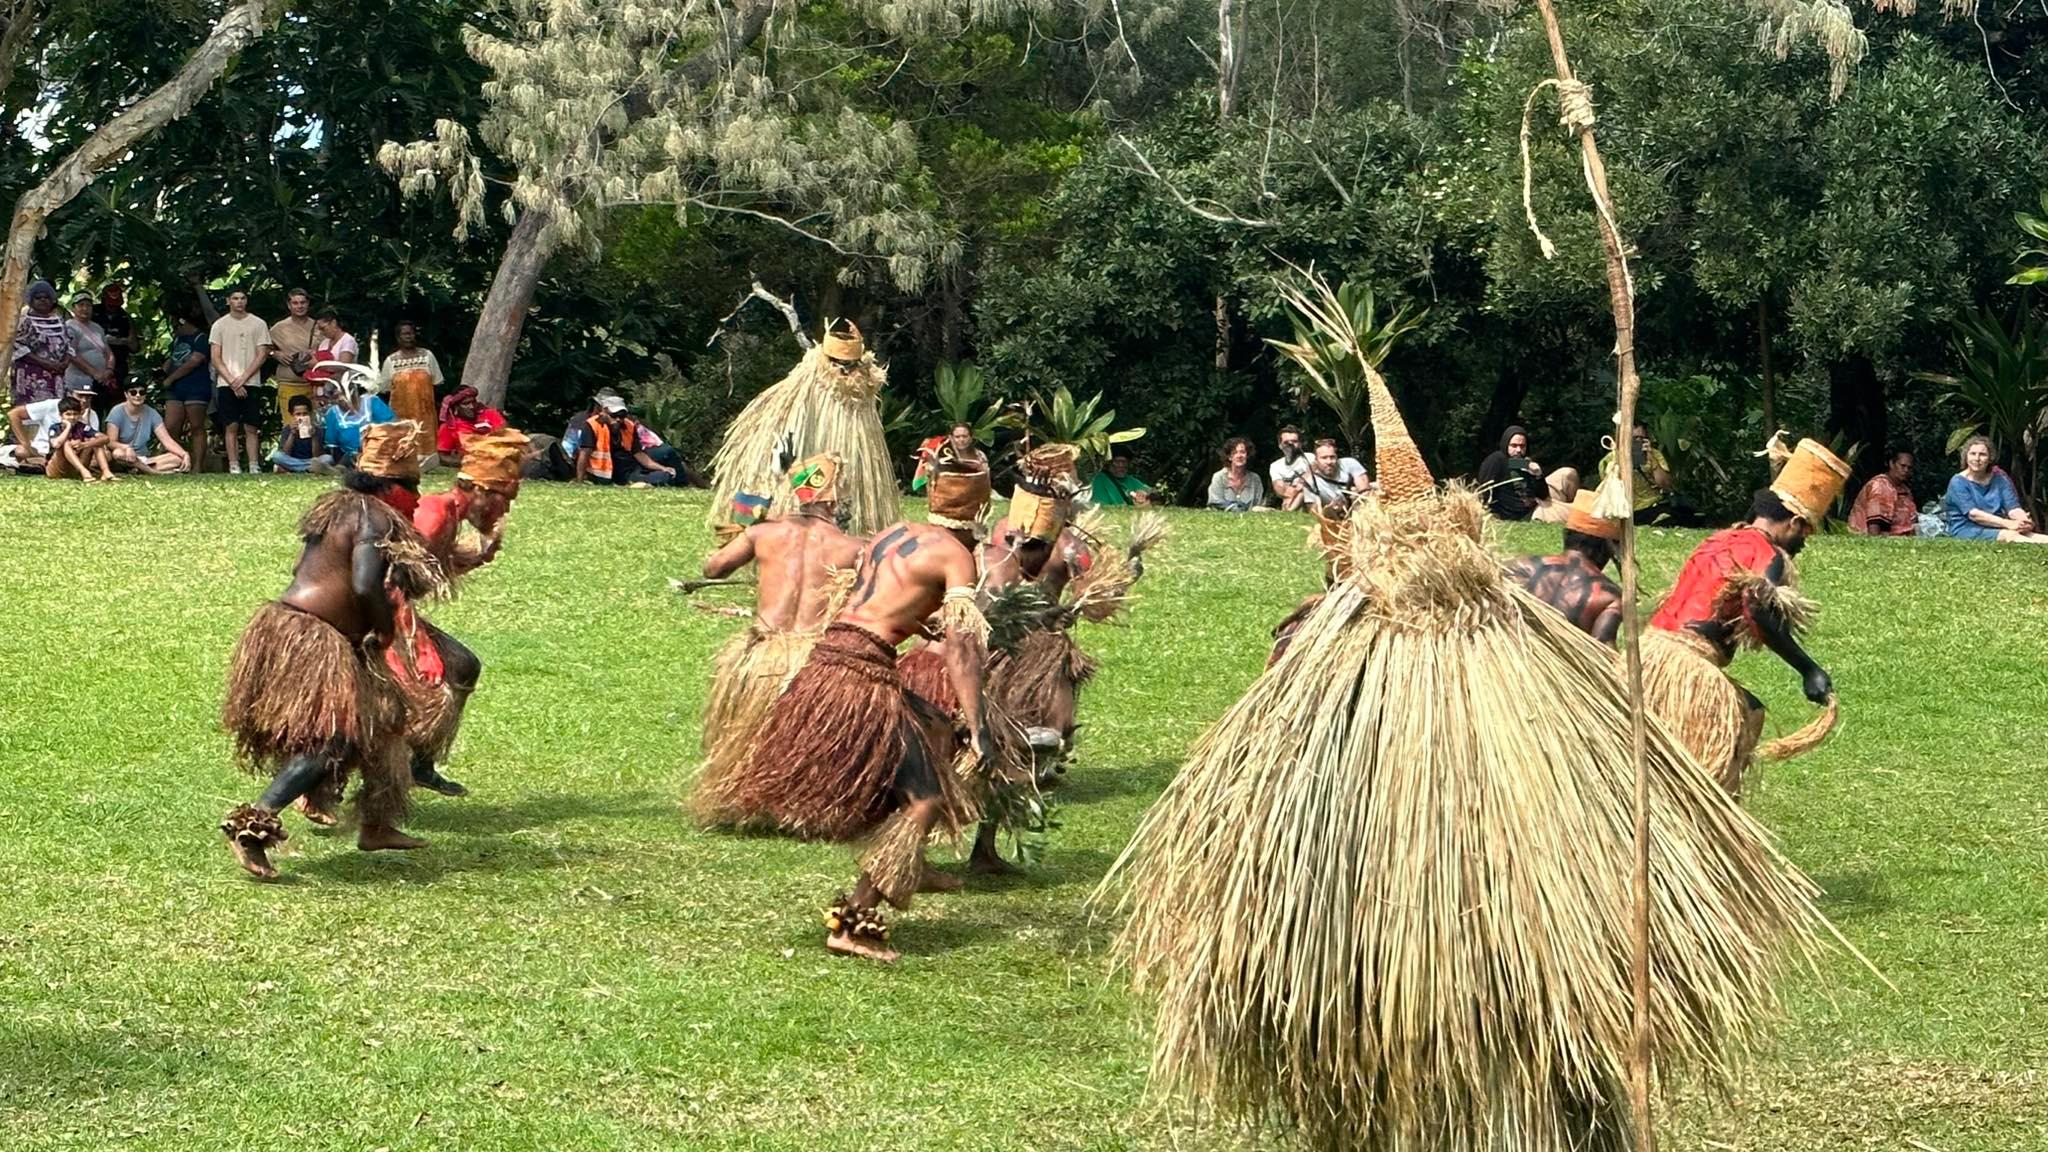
{"x":1040,"y":505}
{"x":1583,"y":519}
{"x":814,"y":478}
{"x":389,"y":450}
{"x":959,"y":494}
{"x":1811,"y":481}
{"x":493,"y":460}
{"x":842,"y":341}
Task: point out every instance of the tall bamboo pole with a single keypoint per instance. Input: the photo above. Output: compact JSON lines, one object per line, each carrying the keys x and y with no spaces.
{"x":1620,"y":292}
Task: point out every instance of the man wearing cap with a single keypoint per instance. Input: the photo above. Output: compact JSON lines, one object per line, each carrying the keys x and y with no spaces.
{"x":609,"y":451}
{"x":805,"y":565}
{"x":847,"y":752}
{"x":1575,"y":581}
{"x":1739,"y":588}
{"x":309,"y":696}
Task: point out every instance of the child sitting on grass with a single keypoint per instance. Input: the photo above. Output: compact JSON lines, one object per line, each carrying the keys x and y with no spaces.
{"x":76,"y":448}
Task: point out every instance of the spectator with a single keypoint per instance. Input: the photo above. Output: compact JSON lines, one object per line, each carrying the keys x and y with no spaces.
{"x":77,"y":446}
{"x":133,"y":424}
{"x":42,"y":348}
{"x":188,"y":381}
{"x":1653,"y":472}
{"x":461,"y":416}
{"x":1511,"y":483}
{"x":1981,"y":503}
{"x":1235,"y":487}
{"x":31,"y":449}
{"x":111,"y":314}
{"x":332,"y":345}
{"x":1885,"y":506}
{"x":291,"y":350}
{"x":609,"y":449}
{"x":411,"y":374}
{"x":960,"y":438}
{"x":1287,"y":468}
{"x":303,"y":446}
{"x":343,"y":423}
{"x":239,"y":341}
{"x":1562,"y":487}
{"x":1115,"y":485}
{"x":1333,"y":478}
{"x":91,"y":367}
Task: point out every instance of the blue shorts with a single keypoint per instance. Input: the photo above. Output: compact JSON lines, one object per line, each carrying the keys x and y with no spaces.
{"x":192,"y":388}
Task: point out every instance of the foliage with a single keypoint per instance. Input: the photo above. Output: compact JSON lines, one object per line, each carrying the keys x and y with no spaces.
{"x":2002,"y":385}
{"x":959,"y":388}
{"x":1055,"y":418}
{"x":1333,"y":370}
{"x":2034,"y":256}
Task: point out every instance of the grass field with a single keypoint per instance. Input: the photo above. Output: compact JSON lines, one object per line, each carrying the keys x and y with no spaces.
{"x":571,"y":965}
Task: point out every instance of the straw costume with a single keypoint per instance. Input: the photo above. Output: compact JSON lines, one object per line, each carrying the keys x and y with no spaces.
{"x":826,"y":405}
{"x":310,"y":703}
{"x":1386,"y":905}
{"x":753,"y":668}
{"x":1739,"y":589}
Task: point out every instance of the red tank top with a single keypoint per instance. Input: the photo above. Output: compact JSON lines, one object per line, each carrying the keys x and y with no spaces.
{"x":1702,"y":591}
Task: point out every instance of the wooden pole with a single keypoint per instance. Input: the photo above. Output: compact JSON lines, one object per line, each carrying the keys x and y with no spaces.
{"x":1620,"y":292}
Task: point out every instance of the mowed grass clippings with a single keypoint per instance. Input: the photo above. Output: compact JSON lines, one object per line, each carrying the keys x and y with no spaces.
{"x":572,"y":964}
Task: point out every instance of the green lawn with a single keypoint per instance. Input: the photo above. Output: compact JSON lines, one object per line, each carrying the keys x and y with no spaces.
{"x":571,"y":965}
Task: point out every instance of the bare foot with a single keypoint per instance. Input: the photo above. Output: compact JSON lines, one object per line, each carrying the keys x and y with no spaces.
{"x":847,"y":945}
{"x":253,"y":859}
{"x":386,"y":840}
{"x":990,"y":863}
{"x":314,"y":813}
{"x":937,"y":881}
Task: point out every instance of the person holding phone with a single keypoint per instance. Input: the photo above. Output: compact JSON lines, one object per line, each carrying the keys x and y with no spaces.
{"x":303,"y":448}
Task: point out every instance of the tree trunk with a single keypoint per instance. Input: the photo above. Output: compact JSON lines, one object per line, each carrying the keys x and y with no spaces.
{"x":1222,"y":334}
{"x":1763,"y":348}
{"x":1226,"y":61}
{"x":494,"y":344}
{"x":242,"y":26}
{"x":1856,"y":403}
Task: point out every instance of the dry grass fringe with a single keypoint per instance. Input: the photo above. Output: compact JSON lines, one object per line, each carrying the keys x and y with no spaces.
{"x":1386,"y":904}
{"x":295,"y":686}
{"x":818,"y":411}
{"x":1686,"y":690}
{"x":752,"y":669}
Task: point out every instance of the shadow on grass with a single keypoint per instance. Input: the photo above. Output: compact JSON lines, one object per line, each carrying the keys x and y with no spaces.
{"x":450,"y":856}
{"x":50,"y":1067}
{"x":475,"y":817}
{"x":1087,"y":783}
{"x":1847,"y":895}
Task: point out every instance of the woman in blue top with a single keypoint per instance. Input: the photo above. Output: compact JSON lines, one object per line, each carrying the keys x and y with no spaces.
{"x":346,"y":419}
{"x":1980,"y":503}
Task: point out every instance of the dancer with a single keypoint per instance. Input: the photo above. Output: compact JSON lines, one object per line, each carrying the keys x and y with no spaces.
{"x":1575,"y":581}
{"x":1386,"y":903}
{"x":825,"y":406}
{"x":1739,"y":588}
{"x":806,"y":565}
{"x":847,"y":752}
{"x":309,"y":696}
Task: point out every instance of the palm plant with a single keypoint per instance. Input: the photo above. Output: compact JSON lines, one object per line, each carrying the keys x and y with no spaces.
{"x":2003,"y":384}
{"x":960,"y":388}
{"x":1057,"y":419}
{"x":1330,"y":371}
{"x":2033,"y":257}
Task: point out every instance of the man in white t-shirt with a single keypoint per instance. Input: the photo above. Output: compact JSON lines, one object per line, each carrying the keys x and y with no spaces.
{"x":1333,"y":477}
{"x":240,"y":343}
{"x":31,"y":424}
{"x":1286,"y":469}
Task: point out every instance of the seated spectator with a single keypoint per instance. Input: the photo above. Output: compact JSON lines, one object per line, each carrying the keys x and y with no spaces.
{"x":1115,"y":485}
{"x":1981,"y":504}
{"x":1235,"y":487}
{"x":77,"y":446}
{"x":1332,"y":478}
{"x":303,"y":447}
{"x":188,"y":381}
{"x":1656,"y":501}
{"x":33,"y":424}
{"x":133,"y":424}
{"x":608,"y":450}
{"x":342,"y":426}
{"x":1286,"y":470}
{"x":1885,"y":506}
{"x":461,"y":416}
{"x":1510,"y":483}
{"x":1562,"y":487}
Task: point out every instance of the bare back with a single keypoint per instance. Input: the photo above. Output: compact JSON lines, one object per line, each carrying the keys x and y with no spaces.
{"x":323,"y":583}
{"x":1581,"y":592}
{"x":904,"y":576}
{"x":1003,"y":568}
{"x":798,"y":558}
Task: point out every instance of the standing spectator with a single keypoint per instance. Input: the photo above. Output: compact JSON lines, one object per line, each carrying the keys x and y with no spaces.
{"x":609,"y":452}
{"x":347,"y":416}
{"x":411,"y":374}
{"x":1115,"y":485}
{"x":333,"y":346}
{"x":239,"y":341}
{"x":302,"y":447}
{"x":461,"y":416}
{"x":291,"y":349}
{"x":1511,"y":483}
{"x":1333,"y":478}
{"x":1235,"y":487}
{"x":42,"y":348}
{"x":1287,"y":468}
{"x":188,"y":380}
{"x":77,"y":446}
{"x":111,"y":314}
{"x":1981,"y":503}
{"x":133,"y":424}
{"x":1885,"y":506}
{"x":91,"y":368}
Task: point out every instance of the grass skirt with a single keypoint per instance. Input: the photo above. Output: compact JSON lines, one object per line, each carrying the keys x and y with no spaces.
{"x":1045,"y":665}
{"x":1685,"y":688}
{"x":1386,"y":903}
{"x":750,"y":673}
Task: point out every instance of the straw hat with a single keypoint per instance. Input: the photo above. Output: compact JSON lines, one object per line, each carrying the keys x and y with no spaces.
{"x":1811,"y":481}
{"x":815,"y":479}
{"x":1584,"y":520}
{"x":493,"y":460}
{"x":388,"y":450}
{"x":842,"y":341}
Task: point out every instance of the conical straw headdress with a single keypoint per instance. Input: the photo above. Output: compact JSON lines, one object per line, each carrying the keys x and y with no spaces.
{"x":1402,"y":474}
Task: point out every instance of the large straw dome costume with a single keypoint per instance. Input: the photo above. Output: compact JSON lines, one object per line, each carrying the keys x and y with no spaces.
{"x":1386,"y":903}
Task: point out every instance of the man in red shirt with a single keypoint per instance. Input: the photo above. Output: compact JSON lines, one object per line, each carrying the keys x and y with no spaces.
{"x":462,"y":416}
{"x":1739,"y":588}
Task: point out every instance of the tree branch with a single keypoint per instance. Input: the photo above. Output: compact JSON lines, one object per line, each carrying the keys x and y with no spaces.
{"x":760,"y":292}
{"x":779,"y":221}
{"x":1223,"y":217}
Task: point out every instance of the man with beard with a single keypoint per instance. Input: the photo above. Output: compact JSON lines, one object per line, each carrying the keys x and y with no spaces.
{"x":1739,"y":587}
{"x":1286,"y":470}
{"x":1575,"y":581}
{"x":1509,"y":482}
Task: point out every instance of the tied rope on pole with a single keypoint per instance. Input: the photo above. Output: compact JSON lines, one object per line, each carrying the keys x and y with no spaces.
{"x":1575,"y":113}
